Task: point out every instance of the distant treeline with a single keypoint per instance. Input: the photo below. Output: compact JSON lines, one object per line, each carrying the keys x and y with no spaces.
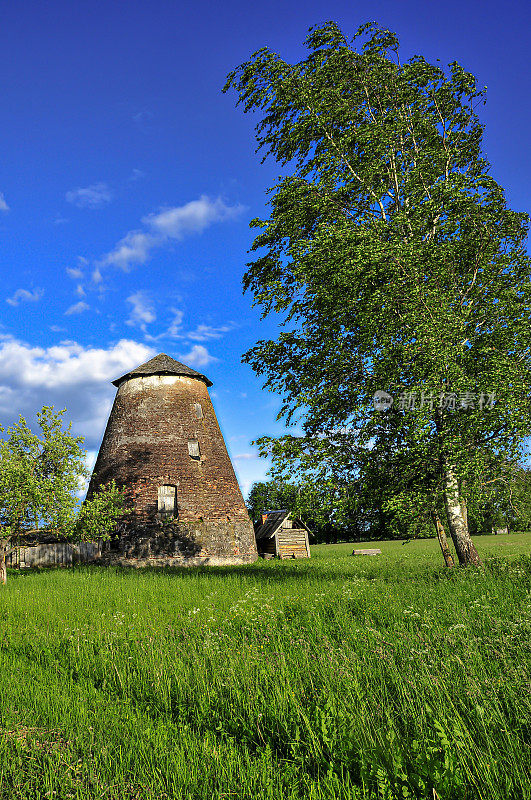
{"x":361,"y":511}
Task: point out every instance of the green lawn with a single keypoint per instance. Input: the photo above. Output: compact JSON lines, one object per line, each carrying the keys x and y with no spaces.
{"x":336,"y":677}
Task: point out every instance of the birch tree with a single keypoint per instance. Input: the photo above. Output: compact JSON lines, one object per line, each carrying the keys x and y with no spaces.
{"x":394,"y":261}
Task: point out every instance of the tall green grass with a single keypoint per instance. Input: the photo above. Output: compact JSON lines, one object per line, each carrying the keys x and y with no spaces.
{"x":371,"y":677}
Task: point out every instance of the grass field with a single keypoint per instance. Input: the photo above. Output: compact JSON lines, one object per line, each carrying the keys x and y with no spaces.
{"x":336,"y":677}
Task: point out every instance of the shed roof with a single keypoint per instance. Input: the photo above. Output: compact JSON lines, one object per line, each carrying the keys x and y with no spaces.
{"x":163,"y":365}
{"x":273,"y":522}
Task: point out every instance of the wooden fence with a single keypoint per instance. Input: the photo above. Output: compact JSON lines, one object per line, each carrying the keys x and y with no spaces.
{"x":56,"y":554}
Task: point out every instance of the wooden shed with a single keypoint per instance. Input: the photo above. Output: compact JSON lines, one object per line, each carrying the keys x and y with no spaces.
{"x":279,"y":534}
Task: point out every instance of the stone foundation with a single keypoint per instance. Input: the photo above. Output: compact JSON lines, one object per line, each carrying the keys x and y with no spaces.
{"x":172,"y":561}
{"x":215,"y":542}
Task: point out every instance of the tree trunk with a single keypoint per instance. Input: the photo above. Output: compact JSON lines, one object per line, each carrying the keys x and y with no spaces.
{"x":464,"y":546}
{"x":464,"y":511}
{"x":441,"y":536}
{"x":4,"y":543}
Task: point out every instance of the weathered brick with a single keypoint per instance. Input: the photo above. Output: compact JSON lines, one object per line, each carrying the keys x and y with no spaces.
{"x":146,"y":445}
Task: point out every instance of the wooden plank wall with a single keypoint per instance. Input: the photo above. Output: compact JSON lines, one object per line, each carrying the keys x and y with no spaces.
{"x":57,"y":554}
{"x":292,"y":543}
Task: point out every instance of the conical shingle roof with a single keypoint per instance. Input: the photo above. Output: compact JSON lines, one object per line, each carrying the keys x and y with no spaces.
{"x":163,"y":365}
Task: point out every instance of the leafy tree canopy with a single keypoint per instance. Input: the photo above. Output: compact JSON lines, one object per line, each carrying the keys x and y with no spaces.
{"x":270,"y":496}
{"x":396,"y":264}
{"x":41,"y":475}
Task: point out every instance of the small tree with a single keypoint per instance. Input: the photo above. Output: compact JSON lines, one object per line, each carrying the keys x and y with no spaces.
{"x":41,"y":475}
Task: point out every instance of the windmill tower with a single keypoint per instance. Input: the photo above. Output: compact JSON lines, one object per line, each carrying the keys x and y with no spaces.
{"x":163,"y":445}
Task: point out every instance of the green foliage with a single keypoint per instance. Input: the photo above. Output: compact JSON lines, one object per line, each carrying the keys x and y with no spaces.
{"x":509,"y":504}
{"x":98,"y":516}
{"x":506,"y":503}
{"x":348,"y":495}
{"x":334,"y":678}
{"x":396,"y":265}
{"x":316,"y":504}
{"x":518,"y":514}
{"x":41,"y":475}
{"x":270,"y":496}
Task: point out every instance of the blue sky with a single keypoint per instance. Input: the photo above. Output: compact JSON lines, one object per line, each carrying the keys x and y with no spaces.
{"x":127,"y":182}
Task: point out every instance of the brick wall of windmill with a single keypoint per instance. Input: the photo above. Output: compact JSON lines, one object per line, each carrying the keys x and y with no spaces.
{"x":156,"y":424}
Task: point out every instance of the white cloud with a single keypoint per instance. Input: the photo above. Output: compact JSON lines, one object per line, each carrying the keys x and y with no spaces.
{"x":245,"y":457}
{"x":143,"y":310}
{"x":25,"y":296}
{"x":3,"y":205}
{"x":166,"y":225}
{"x":205,"y":332}
{"x":198,"y":356}
{"x":245,"y":486}
{"x":136,"y":175}
{"x":93,"y":196}
{"x":142,"y":117}
{"x":193,"y":217}
{"x":77,"y":308}
{"x":90,"y":459}
{"x":66,"y":375}
{"x":78,"y":274}
{"x":201,"y":333}
{"x":174,"y":329}
{"x":135,"y":248}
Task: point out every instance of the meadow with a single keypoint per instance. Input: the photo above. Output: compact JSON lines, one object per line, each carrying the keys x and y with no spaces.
{"x":368,"y":678}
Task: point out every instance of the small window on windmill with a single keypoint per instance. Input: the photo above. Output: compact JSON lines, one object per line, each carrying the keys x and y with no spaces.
{"x":193,"y":449}
{"x":166,"y":501}
{"x":198,"y":411}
